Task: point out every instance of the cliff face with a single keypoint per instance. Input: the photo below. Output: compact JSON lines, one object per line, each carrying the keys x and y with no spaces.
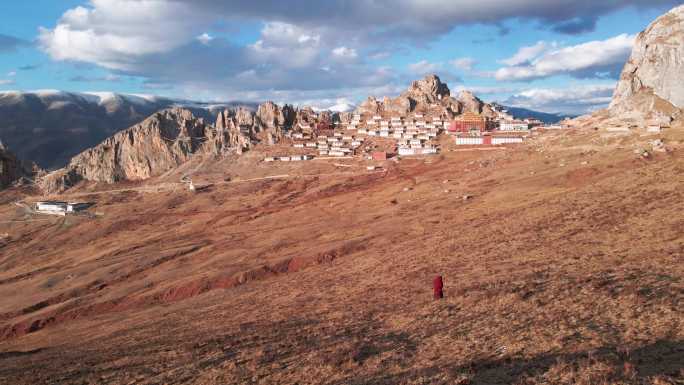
{"x":161,"y":142}
{"x":650,"y":84}
{"x":169,"y":138}
{"x":428,"y":94}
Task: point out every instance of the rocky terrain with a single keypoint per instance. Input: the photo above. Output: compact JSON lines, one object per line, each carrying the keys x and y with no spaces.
{"x":650,"y":84}
{"x":158,"y":144}
{"x":50,"y":127}
{"x":170,"y":138}
{"x":428,"y":95}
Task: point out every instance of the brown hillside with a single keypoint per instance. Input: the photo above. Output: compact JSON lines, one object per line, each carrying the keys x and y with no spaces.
{"x":563,"y":263}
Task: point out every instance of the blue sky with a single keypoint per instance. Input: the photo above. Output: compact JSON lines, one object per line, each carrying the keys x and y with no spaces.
{"x":554,"y":56}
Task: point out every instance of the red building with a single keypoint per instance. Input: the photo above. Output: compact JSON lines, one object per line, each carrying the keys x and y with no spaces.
{"x":469,"y":122}
{"x":379,"y":155}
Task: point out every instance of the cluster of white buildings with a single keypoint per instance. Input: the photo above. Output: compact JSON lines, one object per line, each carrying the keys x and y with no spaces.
{"x":413,"y":134}
{"x":288,"y":158}
{"x":336,"y":145}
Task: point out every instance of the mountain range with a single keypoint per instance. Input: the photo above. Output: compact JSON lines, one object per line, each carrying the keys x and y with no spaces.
{"x":50,"y":127}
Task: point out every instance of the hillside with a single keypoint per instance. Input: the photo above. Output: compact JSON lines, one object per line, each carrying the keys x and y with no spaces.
{"x":322,"y":274}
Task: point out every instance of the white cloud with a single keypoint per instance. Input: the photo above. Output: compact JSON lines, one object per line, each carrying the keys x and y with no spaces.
{"x":6,"y":82}
{"x":571,"y":100}
{"x":12,"y":74}
{"x":591,"y":59}
{"x":172,"y":46}
{"x":287,"y":45}
{"x":112,"y":33}
{"x":464,"y":63}
{"x":526,"y":54}
{"x":344,"y":52}
{"x":205,"y":38}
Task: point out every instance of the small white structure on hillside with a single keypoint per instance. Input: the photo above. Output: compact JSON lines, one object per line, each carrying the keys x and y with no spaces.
{"x":60,"y":208}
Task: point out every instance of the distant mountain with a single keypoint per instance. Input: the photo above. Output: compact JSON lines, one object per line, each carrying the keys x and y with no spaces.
{"x":49,"y":127}
{"x":523,"y":113}
{"x":11,"y":168}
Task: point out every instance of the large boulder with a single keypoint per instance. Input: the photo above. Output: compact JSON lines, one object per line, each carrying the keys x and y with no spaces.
{"x":650,"y":83}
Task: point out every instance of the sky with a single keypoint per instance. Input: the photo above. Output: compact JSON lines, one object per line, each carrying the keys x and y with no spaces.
{"x":561,"y":56}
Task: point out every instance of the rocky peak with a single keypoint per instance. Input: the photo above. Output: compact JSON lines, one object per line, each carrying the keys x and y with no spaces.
{"x":650,"y":83}
{"x":469,"y":102}
{"x":159,"y":143}
{"x":431,"y":87}
{"x":428,"y":94}
{"x":270,"y":115}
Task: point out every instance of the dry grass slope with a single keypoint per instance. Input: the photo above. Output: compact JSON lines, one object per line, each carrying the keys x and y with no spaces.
{"x":564,"y":267}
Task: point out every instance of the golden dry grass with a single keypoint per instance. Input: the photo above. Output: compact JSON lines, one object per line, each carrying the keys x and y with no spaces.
{"x":564,"y":267}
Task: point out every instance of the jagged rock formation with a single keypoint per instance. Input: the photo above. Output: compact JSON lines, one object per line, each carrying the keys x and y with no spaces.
{"x":12,"y":169}
{"x":470,"y":103}
{"x":161,"y":142}
{"x":228,"y":131}
{"x":427,"y":95}
{"x":169,"y":138}
{"x":50,"y":127}
{"x":266,"y":125}
{"x":650,"y":84}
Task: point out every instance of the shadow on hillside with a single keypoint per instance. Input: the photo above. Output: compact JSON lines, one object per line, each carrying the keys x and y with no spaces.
{"x":662,"y":358}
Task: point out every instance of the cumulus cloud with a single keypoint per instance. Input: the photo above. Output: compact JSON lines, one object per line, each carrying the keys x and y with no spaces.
{"x":571,"y":100}
{"x":526,"y":54}
{"x":420,"y":18}
{"x":602,"y":58}
{"x":114,"y":33}
{"x":304,"y":46}
{"x":6,"y":82}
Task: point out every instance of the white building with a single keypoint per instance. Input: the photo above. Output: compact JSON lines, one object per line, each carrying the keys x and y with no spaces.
{"x":60,"y":208}
{"x":513,"y":125}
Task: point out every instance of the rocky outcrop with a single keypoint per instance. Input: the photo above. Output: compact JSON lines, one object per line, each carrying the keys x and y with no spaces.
{"x":228,"y":134}
{"x":427,"y":95}
{"x":161,"y":142}
{"x":266,"y":125}
{"x":650,"y":84}
{"x":270,"y":115}
{"x":12,"y":169}
{"x":169,"y":138}
{"x":468,"y":102}
{"x":51,"y":127}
